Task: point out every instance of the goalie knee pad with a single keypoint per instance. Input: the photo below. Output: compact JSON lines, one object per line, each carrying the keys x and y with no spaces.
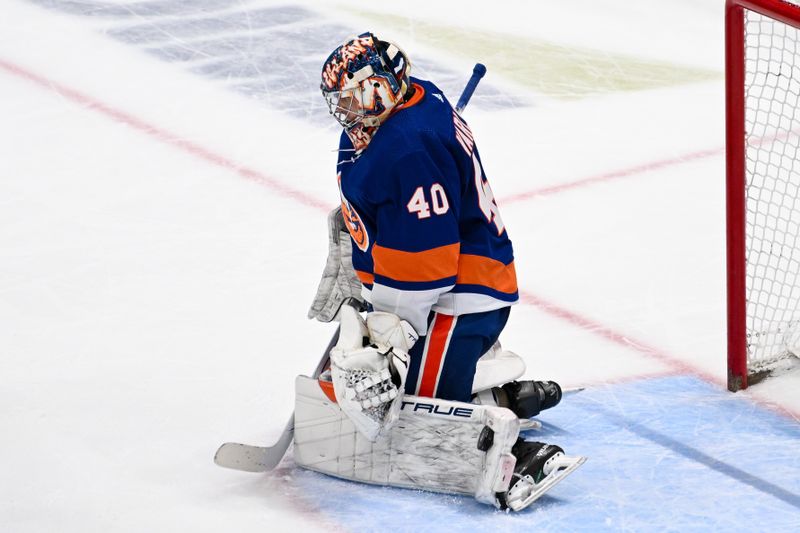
{"x":528,"y":398}
{"x":495,"y":367}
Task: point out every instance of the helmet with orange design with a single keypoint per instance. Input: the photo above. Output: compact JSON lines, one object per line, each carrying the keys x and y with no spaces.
{"x":363,"y":80}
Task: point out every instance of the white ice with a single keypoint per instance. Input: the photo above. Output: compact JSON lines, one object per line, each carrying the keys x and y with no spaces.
{"x":156,"y":264}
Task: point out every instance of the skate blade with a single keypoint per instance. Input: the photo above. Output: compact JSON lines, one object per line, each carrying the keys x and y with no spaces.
{"x":525,"y":491}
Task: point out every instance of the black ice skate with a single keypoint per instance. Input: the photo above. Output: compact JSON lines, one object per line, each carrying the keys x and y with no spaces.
{"x":528,"y":398}
{"x":539,"y":467}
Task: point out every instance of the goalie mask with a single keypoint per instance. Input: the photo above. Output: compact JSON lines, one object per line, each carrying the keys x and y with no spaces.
{"x":363,"y":80}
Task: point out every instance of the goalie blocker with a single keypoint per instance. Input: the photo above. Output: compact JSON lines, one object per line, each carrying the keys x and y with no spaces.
{"x":477,"y":457}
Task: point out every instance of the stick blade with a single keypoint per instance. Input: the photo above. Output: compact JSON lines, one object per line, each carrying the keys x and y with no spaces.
{"x":247,"y":458}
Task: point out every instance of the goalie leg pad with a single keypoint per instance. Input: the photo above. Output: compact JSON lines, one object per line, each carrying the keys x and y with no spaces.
{"x":436,"y":445}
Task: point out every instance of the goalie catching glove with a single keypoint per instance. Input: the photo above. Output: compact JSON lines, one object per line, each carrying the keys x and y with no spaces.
{"x":368,"y":367}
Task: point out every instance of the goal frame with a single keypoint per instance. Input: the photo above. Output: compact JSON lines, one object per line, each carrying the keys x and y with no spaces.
{"x":736,"y":173}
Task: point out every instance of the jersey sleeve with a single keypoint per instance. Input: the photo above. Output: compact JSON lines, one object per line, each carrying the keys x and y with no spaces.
{"x":417,"y":245}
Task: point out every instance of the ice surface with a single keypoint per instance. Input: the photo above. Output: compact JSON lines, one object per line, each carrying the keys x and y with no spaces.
{"x":165,"y":173}
{"x":270,"y":54}
{"x":665,"y":454}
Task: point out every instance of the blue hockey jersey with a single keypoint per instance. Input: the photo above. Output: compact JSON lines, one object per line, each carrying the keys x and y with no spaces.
{"x":426,"y":230}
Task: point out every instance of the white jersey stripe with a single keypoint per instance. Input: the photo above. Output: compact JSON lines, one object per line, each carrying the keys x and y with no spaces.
{"x":463,"y":128}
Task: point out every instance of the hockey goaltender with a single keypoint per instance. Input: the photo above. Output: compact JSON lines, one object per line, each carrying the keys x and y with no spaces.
{"x":419,"y":393}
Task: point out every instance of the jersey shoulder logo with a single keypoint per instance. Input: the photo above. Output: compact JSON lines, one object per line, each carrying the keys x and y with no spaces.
{"x":439,"y":97}
{"x":353,"y":221}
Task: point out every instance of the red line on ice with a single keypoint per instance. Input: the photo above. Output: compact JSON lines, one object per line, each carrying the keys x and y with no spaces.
{"x":166,"y":137}
{"x":609,"y":334}
{"x":208,"y":155}
{"x":609,"y":176}
{"x":676,"y":366}
{"x":308,"y":200}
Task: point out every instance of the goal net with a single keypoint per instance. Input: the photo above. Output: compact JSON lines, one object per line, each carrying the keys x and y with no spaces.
{"x":763,"y":186}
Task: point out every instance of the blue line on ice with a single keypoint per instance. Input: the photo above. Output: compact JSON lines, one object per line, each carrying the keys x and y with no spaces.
{"x":669,"y":453}
{"x":269,"y":54}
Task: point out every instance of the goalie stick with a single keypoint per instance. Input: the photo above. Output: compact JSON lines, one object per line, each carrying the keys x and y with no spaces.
{"x":477,"y":73}
{"x":249,"y":458}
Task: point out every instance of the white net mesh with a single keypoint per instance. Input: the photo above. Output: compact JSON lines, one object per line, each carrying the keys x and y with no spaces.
{"x":772,"y":82}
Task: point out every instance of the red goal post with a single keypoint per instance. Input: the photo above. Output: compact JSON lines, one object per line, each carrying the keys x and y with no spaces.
{"x":762,"y":45}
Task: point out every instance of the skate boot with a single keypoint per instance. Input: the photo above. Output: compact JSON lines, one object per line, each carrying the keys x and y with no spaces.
{"x":539,"y":467}
{"x":528,"y":398}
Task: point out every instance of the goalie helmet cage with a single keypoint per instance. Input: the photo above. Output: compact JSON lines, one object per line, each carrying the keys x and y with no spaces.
{"x":762,"y":45}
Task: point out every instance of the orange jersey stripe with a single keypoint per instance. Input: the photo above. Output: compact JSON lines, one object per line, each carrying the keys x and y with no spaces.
{"x":365,"y":277}
{"x":429,"y":265}
{"x":479,"y":270}
{"x":433,"y":358}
